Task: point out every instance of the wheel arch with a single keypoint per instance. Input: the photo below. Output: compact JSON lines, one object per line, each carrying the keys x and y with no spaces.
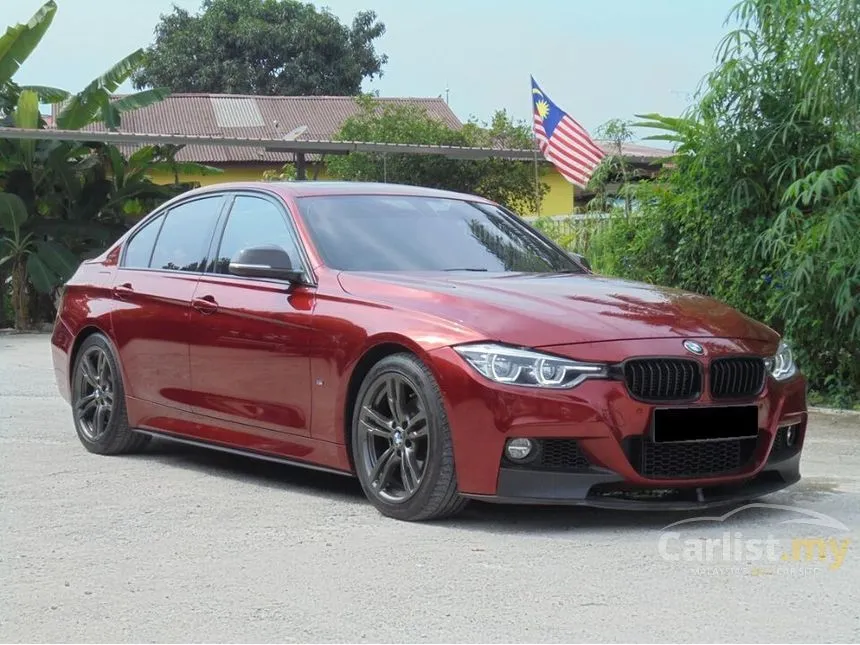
{"x":377,"y":350}
{"x":88,"y":330}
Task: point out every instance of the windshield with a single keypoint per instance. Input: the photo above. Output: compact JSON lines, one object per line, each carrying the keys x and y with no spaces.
{"x":409,"y":233}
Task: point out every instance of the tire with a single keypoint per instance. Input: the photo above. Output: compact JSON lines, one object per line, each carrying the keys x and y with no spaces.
{"x":411,"y":446}
{"x":97,"y":382}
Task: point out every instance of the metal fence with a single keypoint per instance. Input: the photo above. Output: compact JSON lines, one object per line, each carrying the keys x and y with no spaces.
{"x":571,"y":232}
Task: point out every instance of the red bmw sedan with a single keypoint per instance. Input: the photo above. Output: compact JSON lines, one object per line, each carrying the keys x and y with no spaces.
{"x":429,"y":343}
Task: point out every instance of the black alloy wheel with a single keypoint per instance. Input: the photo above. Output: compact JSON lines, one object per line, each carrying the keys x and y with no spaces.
{"x":394,"y":441}
{"x":98,"y":400}
{"x":95,"y":393}
{"x":401,"y":442}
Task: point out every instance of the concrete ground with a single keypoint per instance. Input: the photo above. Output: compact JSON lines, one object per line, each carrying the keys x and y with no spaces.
{"x":183,"y":544}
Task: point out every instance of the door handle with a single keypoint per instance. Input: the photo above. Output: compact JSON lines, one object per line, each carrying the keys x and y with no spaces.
{"x":205,"y":305}
{"x":121,"y":291}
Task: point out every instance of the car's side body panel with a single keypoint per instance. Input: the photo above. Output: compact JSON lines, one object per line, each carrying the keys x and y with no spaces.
{"x":150,"y":323}
{"x":171,"y":422}
{"x":348,"y":329}
{"x":249,"y":359}
{"x":87,"y":306}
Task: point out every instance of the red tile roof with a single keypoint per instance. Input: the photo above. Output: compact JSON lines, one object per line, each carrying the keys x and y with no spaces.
{"x":264,"y":117}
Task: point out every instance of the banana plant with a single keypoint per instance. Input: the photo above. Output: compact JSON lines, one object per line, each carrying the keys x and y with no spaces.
{"x":58,"y":204}
{"x":29,"y":257}
{"x":96,"y":103}
{"x":17,"y":44}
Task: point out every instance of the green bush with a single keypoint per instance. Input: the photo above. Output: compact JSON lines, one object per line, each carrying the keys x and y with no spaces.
{"x":760,"y":206}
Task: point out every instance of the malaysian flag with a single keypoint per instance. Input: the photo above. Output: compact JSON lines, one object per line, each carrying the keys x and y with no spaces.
{"x":563,"y":141}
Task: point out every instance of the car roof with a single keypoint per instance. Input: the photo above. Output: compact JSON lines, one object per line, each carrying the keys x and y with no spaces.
{"x":319,"y":188}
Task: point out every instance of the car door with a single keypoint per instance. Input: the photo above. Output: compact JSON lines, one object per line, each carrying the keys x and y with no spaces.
{"x":153,"y":286}
{"x":251,"y":337}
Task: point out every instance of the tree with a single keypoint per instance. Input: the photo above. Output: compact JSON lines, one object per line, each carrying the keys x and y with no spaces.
{"x":509,"y":182}
{"x":265,"y":47}
{"x":614,"y":169}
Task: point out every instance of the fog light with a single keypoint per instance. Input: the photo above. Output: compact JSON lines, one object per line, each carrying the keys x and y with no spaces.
{"x":790,"y":436}
{"x":519,"y":449}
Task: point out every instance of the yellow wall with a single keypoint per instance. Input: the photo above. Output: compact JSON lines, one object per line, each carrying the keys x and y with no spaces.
{"x":559,"y":198}
{"x":557,"y":201}
{"x":232,"y":173}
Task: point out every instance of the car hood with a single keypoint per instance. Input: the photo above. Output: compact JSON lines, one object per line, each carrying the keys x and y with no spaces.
{"x":539,"y":310}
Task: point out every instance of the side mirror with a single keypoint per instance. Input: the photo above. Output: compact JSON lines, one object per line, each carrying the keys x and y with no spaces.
{"x":264,"y":262}
{"x":581,"y":259}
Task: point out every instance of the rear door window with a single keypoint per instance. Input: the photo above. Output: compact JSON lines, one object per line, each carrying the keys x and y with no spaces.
{"x":138,"y":251}
{"x":185,"y":236}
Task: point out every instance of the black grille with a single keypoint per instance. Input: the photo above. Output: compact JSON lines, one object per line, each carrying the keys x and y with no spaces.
{"x":694,"y":459}
{"x":733,"y":378}
{"x":554,"y":454}
{"x":663,"y":379}
{"x":562,"y":454}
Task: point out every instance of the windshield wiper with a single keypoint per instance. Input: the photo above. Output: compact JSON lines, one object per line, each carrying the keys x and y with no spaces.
{"x":466,"y":269}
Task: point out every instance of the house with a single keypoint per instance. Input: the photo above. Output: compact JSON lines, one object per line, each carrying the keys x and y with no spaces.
{"x":311,"y":118}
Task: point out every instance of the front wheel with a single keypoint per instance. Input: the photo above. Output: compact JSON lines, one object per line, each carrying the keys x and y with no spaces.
{"x":401,"y":442}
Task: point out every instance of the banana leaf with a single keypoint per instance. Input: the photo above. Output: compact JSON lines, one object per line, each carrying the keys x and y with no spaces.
{"x":50,"y":95}
{"x":59,"y":260}
{"x":20,"y":40}
{"x":13,"y":212}
{"x":40,"y":275}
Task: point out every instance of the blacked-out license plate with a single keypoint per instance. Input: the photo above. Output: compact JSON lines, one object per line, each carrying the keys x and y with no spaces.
{"x":704,"y":423}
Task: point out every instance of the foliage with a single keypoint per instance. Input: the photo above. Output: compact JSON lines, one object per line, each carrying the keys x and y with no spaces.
{"x":267,"y":47}
{"x":21,"y":40}
{"x":760,"y":206}
{"x":61,"y":200}
{"x":94,"y":101}
{"x":43,"y":262}
{"x":286,"y":173}
{"x":509,"y":182}
{"x":613,"y":169}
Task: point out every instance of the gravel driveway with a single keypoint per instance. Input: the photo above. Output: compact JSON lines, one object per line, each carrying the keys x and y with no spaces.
{"x":183,"y":544}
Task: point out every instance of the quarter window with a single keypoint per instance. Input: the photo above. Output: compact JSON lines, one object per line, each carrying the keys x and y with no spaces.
{"x":184,"y":238}
{"x":139,"y":248}
{"x":254,"y":222}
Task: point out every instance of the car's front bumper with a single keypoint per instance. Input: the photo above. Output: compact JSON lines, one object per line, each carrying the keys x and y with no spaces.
{"x":609,"y":490}
{"x":606,"y":424}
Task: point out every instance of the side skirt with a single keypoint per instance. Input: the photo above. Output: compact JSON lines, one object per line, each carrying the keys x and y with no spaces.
{"x":243,"y":453}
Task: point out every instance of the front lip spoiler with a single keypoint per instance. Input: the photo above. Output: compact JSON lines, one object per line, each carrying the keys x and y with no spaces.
{"x":607,"y":490}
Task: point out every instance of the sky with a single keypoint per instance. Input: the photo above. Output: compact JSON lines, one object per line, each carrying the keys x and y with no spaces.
{"x":596,"y":59}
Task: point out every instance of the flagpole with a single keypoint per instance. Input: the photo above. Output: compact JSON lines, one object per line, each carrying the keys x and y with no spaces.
{"x":537,"y":182}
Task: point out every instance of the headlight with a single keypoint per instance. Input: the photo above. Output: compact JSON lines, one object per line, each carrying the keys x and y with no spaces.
{"x":514,"y":366}
{"x":782,"y":366}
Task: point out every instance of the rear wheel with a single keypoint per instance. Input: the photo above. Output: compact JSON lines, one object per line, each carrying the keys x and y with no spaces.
{"x":401,"y":442}
{"x":98,"y":401}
